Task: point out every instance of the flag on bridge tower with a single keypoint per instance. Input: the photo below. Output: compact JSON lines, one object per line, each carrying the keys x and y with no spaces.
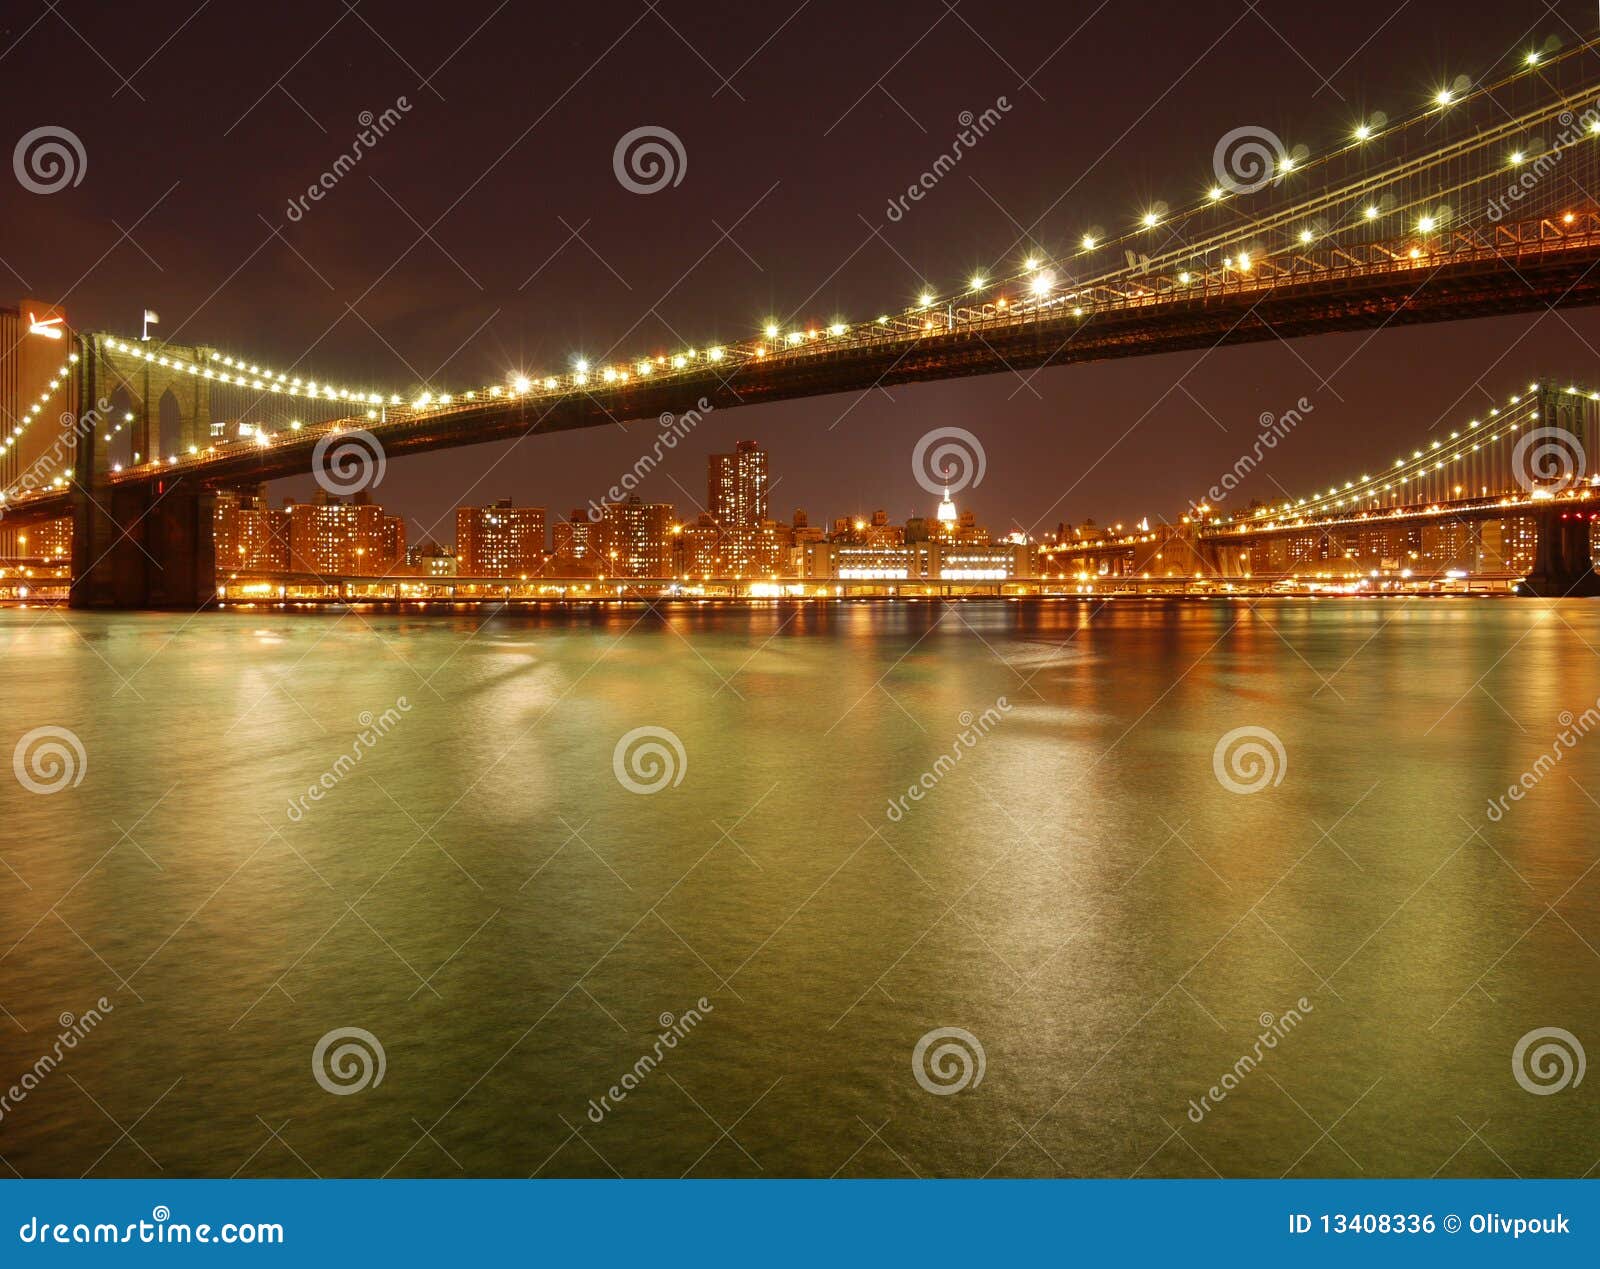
{"x":150,"y":319}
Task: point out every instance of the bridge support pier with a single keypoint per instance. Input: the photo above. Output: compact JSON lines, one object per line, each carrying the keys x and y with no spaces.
{"x":1563,"y":563}
{"x":1219,"y":560}
{"x":147,"y":545}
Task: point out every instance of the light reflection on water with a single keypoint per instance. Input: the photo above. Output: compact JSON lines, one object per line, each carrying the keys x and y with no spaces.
{"x":1076,"y":890}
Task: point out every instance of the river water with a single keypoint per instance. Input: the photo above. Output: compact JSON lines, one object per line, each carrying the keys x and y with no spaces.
{"x":437,"y":846}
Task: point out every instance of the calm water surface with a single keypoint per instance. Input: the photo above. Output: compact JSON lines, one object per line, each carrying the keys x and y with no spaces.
{"x":1078,"y":890}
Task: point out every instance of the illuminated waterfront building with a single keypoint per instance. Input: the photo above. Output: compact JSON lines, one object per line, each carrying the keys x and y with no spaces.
{"x":50,"y":542}
{"x":501,"y":540}
{"x":1004,"y":561}
{"x":736,"y":500}
{"x":886,"y":563}
{"x":736,"y":485}
{"x":429,"y":559}
{"x":699,"y":548}
{"x":249,"y":534}
{"x":573,"y":545}
{"x":1508,"y":545}
{"x":922,"y":562}
{"x":330,"y":536}
{"x":634,"y":539}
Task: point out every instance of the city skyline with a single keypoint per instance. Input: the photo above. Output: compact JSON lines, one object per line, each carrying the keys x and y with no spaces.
{"x":633,"y":538}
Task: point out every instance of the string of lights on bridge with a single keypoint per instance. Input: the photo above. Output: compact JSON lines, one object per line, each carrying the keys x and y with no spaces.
{"x":34,"y":410}
{"x":1497,"y":426}
{"x":1040,"y":285}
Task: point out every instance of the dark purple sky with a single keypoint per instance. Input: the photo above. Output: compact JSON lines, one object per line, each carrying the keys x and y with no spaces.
{"x":799,"y":121}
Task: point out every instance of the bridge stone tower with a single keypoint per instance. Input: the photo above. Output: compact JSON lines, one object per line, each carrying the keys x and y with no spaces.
{"x":171,"y":406}
{"x":1564,"y":557}
{"x":146,"y":544}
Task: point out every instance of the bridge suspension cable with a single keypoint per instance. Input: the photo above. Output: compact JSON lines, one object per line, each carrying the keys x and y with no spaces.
{"x":1516,"y":453}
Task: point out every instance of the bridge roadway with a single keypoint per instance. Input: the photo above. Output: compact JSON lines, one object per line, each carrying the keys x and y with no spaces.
{"x":1583,"y":502}
{"x":1526,"y":267}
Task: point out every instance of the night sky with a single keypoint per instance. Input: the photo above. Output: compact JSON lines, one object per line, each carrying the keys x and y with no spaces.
{"x":799,"y":121}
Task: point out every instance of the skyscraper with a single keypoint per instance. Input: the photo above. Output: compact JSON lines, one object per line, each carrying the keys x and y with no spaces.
{"x":736,"y":486}
{"x":736,"y":496}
